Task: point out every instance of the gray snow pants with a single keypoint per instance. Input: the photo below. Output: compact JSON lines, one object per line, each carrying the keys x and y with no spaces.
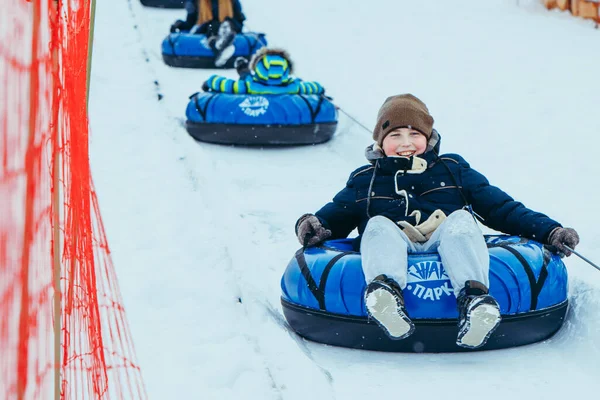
{"x":458,"y":240}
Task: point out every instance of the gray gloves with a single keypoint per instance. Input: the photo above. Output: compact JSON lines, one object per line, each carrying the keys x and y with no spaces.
{"x":310,"y":230}
{"x":561,"y":237}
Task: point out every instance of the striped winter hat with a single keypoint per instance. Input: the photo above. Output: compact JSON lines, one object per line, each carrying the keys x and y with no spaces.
{"x":272,"y":66}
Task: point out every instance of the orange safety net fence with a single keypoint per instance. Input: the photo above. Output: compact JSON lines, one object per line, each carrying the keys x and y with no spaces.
{"x":63,"y":332}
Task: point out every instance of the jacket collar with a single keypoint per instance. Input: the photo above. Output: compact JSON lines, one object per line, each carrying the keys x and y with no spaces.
{"x":375,"y":155}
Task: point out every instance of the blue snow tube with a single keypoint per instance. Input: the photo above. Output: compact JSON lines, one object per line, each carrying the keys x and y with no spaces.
{"x":275,"y":119}
{"x":323,"y":287}
{"x":163,"y":3}
{"x":187,"y":50}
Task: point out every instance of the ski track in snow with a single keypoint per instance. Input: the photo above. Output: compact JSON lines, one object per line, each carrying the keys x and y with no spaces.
{"x":199,"y":176}
{"x":196,"y":182}
{"x":302,"y":344}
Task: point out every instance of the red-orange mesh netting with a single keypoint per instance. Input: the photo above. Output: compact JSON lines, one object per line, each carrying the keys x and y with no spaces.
{"x":51,"y":234}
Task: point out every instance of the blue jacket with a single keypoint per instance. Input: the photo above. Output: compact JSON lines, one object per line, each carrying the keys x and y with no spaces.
{"x":270,"y":73}
{"x":389,"y":188}
{"x":249,"y":85}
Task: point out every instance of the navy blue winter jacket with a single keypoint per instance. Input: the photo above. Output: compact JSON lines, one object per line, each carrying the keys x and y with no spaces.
{"x":387,"y":187}
{"x":191,"y":6}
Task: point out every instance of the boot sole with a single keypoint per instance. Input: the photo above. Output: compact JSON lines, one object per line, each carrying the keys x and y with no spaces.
{"x":225,"y":55}
{"x":223,"y":33}
{"x":383,"y":307}
{"x":481,"y":322}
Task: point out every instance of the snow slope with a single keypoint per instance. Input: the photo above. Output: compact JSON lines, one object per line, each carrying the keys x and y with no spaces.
{"x":200,"y":233}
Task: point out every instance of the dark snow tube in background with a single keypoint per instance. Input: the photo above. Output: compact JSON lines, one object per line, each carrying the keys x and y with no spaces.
{"x":283,"y":119}
{"x":163,"y":3}
{"x":192,"y":51}
{"x":322,"y":298}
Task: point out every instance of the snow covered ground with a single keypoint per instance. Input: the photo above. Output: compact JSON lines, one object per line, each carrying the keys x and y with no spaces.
{"x":200,"y":233}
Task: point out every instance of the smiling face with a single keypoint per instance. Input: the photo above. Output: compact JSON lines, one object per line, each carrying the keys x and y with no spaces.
{"x":404,"y":142}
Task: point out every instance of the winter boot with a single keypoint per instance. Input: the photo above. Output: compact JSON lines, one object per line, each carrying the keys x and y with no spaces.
{"x":385,"y":304}
{"x":223,"y":45}
{"x":479,"y":315}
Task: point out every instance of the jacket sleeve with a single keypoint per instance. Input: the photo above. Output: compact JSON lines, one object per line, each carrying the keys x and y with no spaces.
{"x":238,"y":15}
{"x":500,"y":211}
{"x":310,"y":87}
{"x":221,"y":84}
{"x":341,"y":215}
{"x":192,"y":12}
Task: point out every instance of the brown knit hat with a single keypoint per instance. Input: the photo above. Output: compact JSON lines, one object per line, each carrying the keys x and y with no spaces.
{"x":403,"y":110}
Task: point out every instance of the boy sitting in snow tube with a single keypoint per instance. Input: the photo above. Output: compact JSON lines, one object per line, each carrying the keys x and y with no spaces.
{"x":219,"y":20}
{"x":265,"y":106}
{"x":411,"y":199}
